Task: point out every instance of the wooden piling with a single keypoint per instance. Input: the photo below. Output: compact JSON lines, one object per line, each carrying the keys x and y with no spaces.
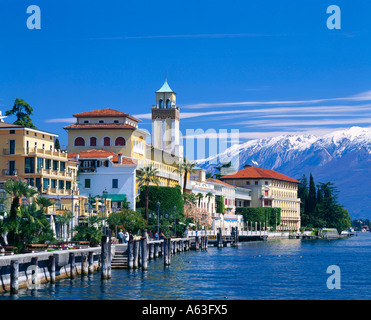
{"x":14,"y":275}
{"x":84,"y":264}
{"x":52,"y":269}
{"x":151,"y":251}
{"x":35,"y":270}
{"x":136,"y":254}
{"x":72,"y":265}
{"x":143,"y":242}
{"x":109,"y":255}
{"x":219,"y":239}
{"x":104,"y":258}
{"x":131,"y":254}
{"x":167,"y":251}
{"x":91,"y":263}
{"x":156,"y":249}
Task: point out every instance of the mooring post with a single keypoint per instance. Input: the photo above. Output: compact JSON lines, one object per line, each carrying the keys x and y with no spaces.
{"x":14,"y":274}
{"x":91,"y":262}
{"x":143,"y":242}
{"x":52,"y":268}
{"x":136,"y":254}
{"x":84,"y":264}
{"x":109,"y":254}
{"x":131,"y":254}
{"x":151,"y":251}
{"x":35,"y":270}
{"x":72,"y":265}
{"x":104,"y":257}
{"x":219,"y":239}
{"x":156,"y":245}
{"x":206,"y":242}
{"x":167,"y":251}
{"x":162,"y":253}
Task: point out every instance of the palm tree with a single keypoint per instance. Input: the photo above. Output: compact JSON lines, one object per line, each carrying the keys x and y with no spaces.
{"x":209,"y":195}
{"x":186,"y":167}
{"x":146,"y":176}
{"x":199,"y":196}
{"x":44,"y":203}
{"x":190,"y":198}
{"x":18,"y":189}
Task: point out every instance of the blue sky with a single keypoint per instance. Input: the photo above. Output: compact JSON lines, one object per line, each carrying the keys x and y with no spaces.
{"x":262,"y":67}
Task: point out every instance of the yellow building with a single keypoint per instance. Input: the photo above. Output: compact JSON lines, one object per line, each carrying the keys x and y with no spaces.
{"x":30,"y":155}
{"x":270,"y":189}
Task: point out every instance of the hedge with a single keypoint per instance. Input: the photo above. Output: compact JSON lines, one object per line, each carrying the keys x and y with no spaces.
{"x":260,"y":214}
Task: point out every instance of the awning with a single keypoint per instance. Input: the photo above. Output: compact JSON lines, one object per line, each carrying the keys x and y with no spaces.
{"x":116,"y":197}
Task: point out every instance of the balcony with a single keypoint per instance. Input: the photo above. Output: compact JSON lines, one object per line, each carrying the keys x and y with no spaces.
{"x":10,"y":173}
{"x":34,"y":151}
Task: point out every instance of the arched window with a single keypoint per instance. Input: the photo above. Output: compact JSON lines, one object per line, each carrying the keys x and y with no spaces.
{"x":120,"y":141}
{"x":168,"y":104}
{"x":79,"y":142}
{"x":161,"y":104}
{"x":93,"y":141}
{"x":106,"y":141}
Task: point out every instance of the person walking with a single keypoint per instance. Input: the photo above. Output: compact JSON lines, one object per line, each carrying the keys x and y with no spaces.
{"x":156,"y":236}
{"x":120,"y":236}
{"x":150,"y":235}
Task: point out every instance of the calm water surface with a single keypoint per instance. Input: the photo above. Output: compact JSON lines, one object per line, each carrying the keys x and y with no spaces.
{"x":274,"y":269}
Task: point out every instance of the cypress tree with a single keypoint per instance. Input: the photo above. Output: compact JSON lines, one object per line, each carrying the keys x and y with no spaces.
{"x":312,"y":197}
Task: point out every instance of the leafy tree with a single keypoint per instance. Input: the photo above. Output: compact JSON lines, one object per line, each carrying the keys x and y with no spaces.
{"x":22,"y":110}
{"x":145,"y":177}
{"x":90,"y":231}
{"x":44,"y":203}
{"x":131,"y":220}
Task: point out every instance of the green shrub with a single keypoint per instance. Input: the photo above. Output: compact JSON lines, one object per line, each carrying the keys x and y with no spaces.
{"x":261,"y":214}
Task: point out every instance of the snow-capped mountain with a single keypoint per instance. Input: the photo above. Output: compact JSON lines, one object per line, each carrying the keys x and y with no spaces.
{"x":342,"y":157}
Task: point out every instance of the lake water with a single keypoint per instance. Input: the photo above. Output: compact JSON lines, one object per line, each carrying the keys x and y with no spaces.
{"x":274,"y":269}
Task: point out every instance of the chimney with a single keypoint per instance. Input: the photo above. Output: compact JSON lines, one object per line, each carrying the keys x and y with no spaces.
{"x":120,"y":158}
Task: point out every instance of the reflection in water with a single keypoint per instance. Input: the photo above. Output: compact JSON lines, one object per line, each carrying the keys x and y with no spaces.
{"x":275,"y":269}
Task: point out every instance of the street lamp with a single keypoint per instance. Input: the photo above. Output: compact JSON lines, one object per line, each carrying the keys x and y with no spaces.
{"x":58,"y":203}
{"x":105,"y":192}
{"x":158,"y":218}
{"x":77,"y":209}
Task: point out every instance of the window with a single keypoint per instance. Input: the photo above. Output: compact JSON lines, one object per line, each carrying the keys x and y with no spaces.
{"x":62,"y":166}
{"x":29,"y":165}
{"x":168,"y":104}
{"x":61,"y":184}
{"x":11,"y":146}
{"x":106,"y":141}
{"x":53,"y":183}
{"x":120,"y":141}
{"x":87,"y":183}
{"x":115,"y":183}
{"x":115,"y":121}
{"x":93,"y":141}
{"x":45,"y":183}
{"x":39,"y":164}
{"x":12,"y":131}
{"x":79,"y":142}
{"x":247,"y":183}
{"x":256,"y":183}
{"x":68,"y":185}
{"x":86,"y":121}
{"x":55,"y":165}
{"x":266,"y":192}
{"x":161,"y":104}
{"x":48,"y":164}
{"x":101,"y":121}
{"x":266,"y":183}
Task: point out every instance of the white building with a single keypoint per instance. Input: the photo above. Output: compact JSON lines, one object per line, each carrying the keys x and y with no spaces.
{"x":101,"y":170}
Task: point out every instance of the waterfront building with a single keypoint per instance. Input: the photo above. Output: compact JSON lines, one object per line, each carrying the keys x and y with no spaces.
{"x":270,"y":189}
{"x":119,"y":136}
{"x":30,"y":155}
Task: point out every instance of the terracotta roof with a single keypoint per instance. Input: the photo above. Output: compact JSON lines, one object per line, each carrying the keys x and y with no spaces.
{"x":251,"y":172}
{"x":100,"y":126}
{"x":220,"y":182}
{"x":10,"y":125}
{"x":100,"y":154}
{"x":107,"y":112}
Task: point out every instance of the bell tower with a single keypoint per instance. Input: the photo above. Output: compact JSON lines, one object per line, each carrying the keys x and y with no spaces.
{"x":165,"y":121}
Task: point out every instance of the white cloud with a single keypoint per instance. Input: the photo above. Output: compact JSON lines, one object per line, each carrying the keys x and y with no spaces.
{"x":61,"y":120}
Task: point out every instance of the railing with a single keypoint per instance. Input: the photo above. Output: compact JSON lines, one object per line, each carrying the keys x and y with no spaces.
{"x":213,"y":233}
{"x":10,"y":172}
{"x":34,"y":151}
